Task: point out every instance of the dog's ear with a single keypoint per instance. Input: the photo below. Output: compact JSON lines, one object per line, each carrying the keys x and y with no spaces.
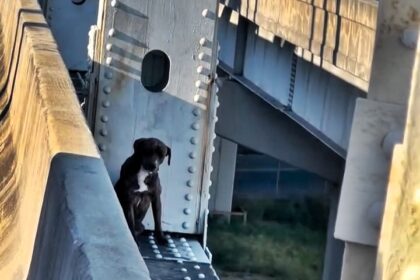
{"x":138,"y":145}
{"x":168,"y":154}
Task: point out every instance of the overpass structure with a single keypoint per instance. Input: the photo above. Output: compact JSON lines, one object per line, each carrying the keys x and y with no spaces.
{"x":327,"y":86}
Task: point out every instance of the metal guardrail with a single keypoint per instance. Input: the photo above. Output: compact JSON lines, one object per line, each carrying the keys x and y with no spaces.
{"x":59,"y":216}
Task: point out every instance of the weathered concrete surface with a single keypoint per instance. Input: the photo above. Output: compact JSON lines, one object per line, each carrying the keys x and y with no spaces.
{"x":82,"y":233}
{"x":364,"y":191}
{"x":399,"y":247}
{"x":339,"y":36}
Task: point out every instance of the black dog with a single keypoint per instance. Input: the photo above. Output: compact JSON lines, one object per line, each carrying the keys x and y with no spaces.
{"x":139,"y":185}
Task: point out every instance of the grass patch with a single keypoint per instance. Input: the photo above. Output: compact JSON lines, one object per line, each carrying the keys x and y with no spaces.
{"x":275,"y":242}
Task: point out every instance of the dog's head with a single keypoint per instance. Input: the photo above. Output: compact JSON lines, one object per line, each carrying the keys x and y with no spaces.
{"x":151,"y":152}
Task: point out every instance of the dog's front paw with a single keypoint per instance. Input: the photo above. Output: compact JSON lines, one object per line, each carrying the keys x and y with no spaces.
{"x":161,"y":240}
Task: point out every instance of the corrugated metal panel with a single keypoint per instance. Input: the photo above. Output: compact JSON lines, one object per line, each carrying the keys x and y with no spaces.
{"x":268,"y":65}
{"x":325,"y":101}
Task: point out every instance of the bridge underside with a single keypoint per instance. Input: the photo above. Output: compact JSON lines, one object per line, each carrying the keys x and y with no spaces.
{"x":246,"y":119}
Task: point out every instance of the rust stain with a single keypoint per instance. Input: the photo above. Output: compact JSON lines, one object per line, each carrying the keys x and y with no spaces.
{"x":414,"y":15}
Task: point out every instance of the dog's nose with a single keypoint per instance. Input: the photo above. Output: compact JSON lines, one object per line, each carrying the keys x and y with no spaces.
{"x":151,"y":166}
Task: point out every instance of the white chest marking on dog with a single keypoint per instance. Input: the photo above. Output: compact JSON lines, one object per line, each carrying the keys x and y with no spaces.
{"x":141,"y":176}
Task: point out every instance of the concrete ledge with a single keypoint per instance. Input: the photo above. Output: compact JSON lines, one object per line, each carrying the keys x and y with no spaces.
{"x":80,"y":231}
{"x":49,"y":162}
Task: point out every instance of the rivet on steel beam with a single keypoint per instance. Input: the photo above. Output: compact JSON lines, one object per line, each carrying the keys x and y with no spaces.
{"x":177,"y":255}
{"x":154,"y":246}
{"x":180,"y":261}
{"x":168,"y":236}
{"x":187,"y":278}
{"x":170,"y":241}
{"x":410,"y":37}
{"x":196,"y":112}
{"x":197,"y":266}
{"x":213,"y":149}
{"x":192,"y":169}
{"x":208,"y":196}
{"x":210,"y":182}
{"x":108,"y":47}
{"x":102,"y":147}
{"x":114,"y":3}
{"x":204,"y":42}
{"x":201,"y":85}
{"x":188,"y":197}
{"x":201,"y":276}
{"x":199,"y":98}
{"x":190,"y":183}
{"x":195,"y":126}
{"x":156,"y":251}
{"x":106,"y":104}
{"x":182,"y":239}
{"x":108,"y":60}
{"x":187,"y":211}
{"x":108,"y":75}
{"x":111,"y":32}
{"x":194,"y":140}
{"x":107,"y":89}
{"x":103,"y":132}
{"x":159,"y":256}
{"x":192,"y":155}
{"x":190,"y":254}
{"x":208,"y":14}
{"x":185,"y":225}
{"x":203,"y":57}
{"x":104,"y":119}
{"x":151,"y":241}
{"x":216,"y":89}
{"x":193,"y":259}
{"x":203,"y":71}
{"x":172,"y":246}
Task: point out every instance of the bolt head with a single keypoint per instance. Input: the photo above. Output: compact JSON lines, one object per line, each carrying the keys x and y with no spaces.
{"x":194,"y":140}
{"x":104,"y":119}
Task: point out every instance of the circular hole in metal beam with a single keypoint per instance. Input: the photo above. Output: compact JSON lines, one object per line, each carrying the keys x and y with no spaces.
{"x":155,"y":71}
{"x":78,"y":2}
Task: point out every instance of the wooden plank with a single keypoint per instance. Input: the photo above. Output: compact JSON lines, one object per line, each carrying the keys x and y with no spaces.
{"x":333,"y":31}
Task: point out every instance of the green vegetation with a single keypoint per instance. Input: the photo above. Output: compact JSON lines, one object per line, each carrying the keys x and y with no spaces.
{"x":282,"y":239}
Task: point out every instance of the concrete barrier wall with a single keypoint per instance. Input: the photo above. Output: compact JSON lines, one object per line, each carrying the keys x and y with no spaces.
{"x":59,"y":216}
